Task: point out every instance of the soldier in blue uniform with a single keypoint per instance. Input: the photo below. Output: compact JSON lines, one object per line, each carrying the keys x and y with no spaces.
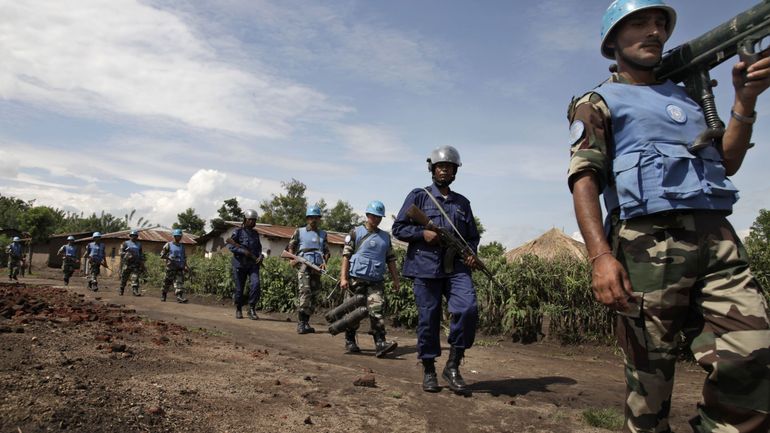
{"x":310,"y":243}
{"x":176,"y":265}
{"x":70,"y":259}
{"x":15,"y":253}
{"x":247,"y":257}
{"x":438,"y":272}
{"x":667,"y":259}
{"x":95,"y":258}
{"x":131,"y":263}
{"x":368,"y":250}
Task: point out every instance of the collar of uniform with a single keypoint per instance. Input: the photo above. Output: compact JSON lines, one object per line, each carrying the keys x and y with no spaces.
{"x":616,"y":77}
{"x":307,"y":227}
{"x":371,"y":230}
{"x":437,"y":193}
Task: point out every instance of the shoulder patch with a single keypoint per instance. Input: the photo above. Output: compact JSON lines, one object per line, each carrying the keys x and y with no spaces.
{"x":347,"y":239}
{"x":576,"y":131}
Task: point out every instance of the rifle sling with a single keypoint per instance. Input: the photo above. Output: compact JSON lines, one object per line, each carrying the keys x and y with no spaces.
{"x":446,"y":217}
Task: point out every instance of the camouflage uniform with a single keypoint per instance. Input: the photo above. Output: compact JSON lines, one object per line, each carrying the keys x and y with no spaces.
{"x":174,"y":275}
{"x":309,"y":280}
{"x":14,"y":264}
{"x":373,"y":290}
{"x":131,"y":268}
{"x":690,"y":274}
{"x":69,"y":264}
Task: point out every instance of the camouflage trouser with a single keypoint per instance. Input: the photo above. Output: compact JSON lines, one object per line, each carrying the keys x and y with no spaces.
{"x":375,"y":300}
{"x":68,"y":267}
{"x":174,"y":277}
{"x":130,"y":272}
{"x":690,"y":274}
{"x":94,"y":269}
{"x":14,"y":266}
{"x":309,"y":287}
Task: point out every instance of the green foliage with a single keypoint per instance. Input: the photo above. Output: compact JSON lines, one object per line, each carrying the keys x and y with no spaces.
{"x":71,"y":222}
{"x":229,"y":211}
{"x":39,"y":222}
{"x":479,"y":226}
{"x":286,"y":209}
{"x":11,"y":209}
{"x":4,"y":242}
{"x":492,"y":249}
{"x":608,"y":419}
{"x":190,"y":222}
{"x":758,"y":248}
{"x":341,"y":218}
{"x":128,"y":219}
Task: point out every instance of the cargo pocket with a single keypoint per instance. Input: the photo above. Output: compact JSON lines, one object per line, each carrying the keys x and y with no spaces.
{"x":678,"y":177}
{"x":626,"y":171}
{"x":715,"y":182}
{"x":360,"y":266}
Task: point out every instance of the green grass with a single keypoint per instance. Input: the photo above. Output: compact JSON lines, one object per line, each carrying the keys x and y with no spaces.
{"x":481,"y":342}
{"x":609,"y":419}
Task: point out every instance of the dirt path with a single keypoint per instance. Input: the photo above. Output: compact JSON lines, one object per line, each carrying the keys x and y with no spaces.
{"x":194,"y":368}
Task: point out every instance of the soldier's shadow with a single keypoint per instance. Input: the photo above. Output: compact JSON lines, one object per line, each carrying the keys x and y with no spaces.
{"x":514,"y":387}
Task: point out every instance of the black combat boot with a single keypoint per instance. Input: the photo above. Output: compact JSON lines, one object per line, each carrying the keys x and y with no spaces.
{"x":452,"y":371}
{"x":303,"y":327}
{"x":163,"y":296}
{"x":382,"y":346}
{"x":120,"y":290}
{"x":180,"y":298}
{"x":134,"y":291}
{"x":429,"y":379}
{"x":238,"y":312}
{"x":253,"y":312}
{"x":350,"y":342}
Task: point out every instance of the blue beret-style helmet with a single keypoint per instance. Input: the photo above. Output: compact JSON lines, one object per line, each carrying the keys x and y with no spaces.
{"x":96,"y":235}
{"x":313,"y":210}
{"x":16,"y":239}
{"x":133,"y":233}
{"x":375,"y":207}
{"x":620,"y":9}
{"x":177,"y":232}
{"x":70,"y":238}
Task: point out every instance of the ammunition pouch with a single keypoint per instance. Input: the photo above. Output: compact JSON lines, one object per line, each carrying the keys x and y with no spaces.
{"x":349,"y":321}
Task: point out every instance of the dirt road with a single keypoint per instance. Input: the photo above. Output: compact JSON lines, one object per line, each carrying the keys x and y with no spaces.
{"x":74,"y":360}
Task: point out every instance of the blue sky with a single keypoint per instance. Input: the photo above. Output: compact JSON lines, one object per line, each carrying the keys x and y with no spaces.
{"x":163,"y":105}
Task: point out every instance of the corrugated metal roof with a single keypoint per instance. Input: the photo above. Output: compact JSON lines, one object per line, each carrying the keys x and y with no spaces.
{"x":146,"y":235}
{"x":285,"y":232}
{"x":64,"y":235}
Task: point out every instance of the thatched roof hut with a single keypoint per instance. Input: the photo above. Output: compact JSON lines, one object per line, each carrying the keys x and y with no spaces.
{"x":550,"y":245}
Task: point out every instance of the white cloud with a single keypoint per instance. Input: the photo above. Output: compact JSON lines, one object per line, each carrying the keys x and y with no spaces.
{"x":9,"y":164}
{"x":96,"y":57}
{"x":371,"y":143}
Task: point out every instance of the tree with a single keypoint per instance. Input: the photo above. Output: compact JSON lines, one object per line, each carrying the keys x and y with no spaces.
{"x":40,"y":222}
{"x":758,"y":247}
{"x":140,"y":223}
{"x":229,"y":211}
{"x":190,"y":222}
{"x":479,"y":226}
{"x":286,"y":209}
{"x":341,"y":218}
{"x":11,"y":209}
{"x":492,"y":249}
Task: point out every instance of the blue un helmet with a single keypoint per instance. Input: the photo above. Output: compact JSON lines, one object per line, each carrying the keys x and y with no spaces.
{"x":620,"y":9}
{"x":313,"y":210}
{"x":96,"y":235}
{"x":70,"y":238}
{"x":176,"y":232}
{"x":133,"y":233}
{"x":16,"y":239}
{"x":375,"y":207}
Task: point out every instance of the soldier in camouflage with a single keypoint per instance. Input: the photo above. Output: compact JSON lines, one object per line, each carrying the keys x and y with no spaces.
{"x":95,"y":258}
{"x":176,"y":265}
{"x":131,"y":263}
{"x":668,"y":261}
{"x":366,"y":253}
{"x":70,"y":260}
{"x":15,"y":252}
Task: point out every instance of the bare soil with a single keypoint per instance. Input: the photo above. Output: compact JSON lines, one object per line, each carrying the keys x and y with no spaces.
{"x":72,"y":360}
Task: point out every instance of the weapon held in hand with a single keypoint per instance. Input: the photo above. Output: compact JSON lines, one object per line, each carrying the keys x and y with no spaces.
{"x":451,"y":240}
{"x":287,"y":255}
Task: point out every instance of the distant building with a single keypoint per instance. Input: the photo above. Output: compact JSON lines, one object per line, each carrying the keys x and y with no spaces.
{"x":152,"y":242}
{"x":44,"y":253}
{"x":550,"y":245}
{"x":274,"y":238}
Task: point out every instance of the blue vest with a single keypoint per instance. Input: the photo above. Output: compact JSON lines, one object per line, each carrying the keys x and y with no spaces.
{"x":96,"y":251}
{"x":652,"y":169}
{"x":176,"y":255}
{"x":70,"y":251}
{"x":16,"y":249}
{"x":133,"y":248}
{"x":368,"y":261}
{"x":311,"y":245}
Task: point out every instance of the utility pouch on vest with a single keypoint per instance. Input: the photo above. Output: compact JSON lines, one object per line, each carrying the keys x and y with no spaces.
{"x":366,"y":268}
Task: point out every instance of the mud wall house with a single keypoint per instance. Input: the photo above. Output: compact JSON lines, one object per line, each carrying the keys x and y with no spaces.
{"x":274,"y":238}
{"x":152,"y":241}
{"x":44,"y":253}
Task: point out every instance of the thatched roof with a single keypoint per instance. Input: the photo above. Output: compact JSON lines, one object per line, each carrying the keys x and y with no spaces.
{"x":550,"y":245}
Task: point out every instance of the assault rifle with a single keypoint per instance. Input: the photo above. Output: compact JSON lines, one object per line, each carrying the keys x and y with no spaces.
{"x":451,"y":241}
{"x":690,"y":62}
{"x":287,"y":255}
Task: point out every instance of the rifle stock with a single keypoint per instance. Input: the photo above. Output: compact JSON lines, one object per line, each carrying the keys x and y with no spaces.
{"x":287,"y":255}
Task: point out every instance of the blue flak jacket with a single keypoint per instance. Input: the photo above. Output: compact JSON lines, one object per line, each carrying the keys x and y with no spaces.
{"x":423,"y":260}
{"x":248,"y":239}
